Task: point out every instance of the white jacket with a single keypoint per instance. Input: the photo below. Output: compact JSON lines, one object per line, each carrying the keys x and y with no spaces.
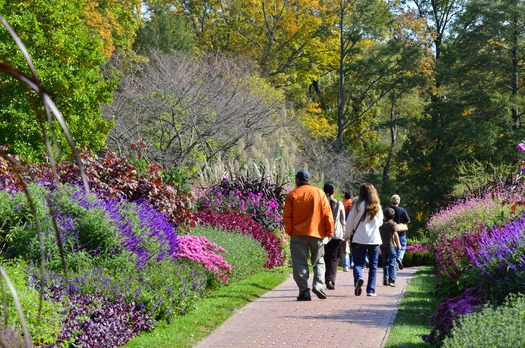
{"x":368,"y":230}
{"x":339,"y":222}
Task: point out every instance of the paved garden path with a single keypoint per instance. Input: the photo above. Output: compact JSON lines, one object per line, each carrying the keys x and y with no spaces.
{"x":276,"y":319}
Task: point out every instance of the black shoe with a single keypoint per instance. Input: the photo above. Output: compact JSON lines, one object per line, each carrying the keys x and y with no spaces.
{"x":304,"y":296}
{"x":385,"y":281}
{"x":320,"y":293}
{"x":399,"y":263}
{"x":330,"y":285}
{"x":358,"y":288}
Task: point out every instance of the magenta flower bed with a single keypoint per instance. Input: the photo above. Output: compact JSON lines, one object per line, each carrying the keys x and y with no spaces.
{"x":246,"y":225}
{"x":201,"y":250}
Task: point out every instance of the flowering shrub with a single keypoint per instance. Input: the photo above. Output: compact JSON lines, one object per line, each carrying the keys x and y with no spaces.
{"x":201,"y":250}
{"x":245,"y":225}
{"x":99,"y":229}
{"x":416,"y":247}
{"x":258,"y":198}
{"x":457,"y":227}
{"x":449,"y":310}
{"x":499,"y":260}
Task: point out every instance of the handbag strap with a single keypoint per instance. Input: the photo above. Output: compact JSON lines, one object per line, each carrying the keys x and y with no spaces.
{"x":361,"y":219}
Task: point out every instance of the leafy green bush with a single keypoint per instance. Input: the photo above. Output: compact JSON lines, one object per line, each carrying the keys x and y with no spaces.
{"x":501,"y":326}
{"x":43,"y":329}
{"x":246,"y":256}
{"x":415,"y":258}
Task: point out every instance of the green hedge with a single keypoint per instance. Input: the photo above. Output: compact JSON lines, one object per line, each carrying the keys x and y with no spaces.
{"x":246,"y":255}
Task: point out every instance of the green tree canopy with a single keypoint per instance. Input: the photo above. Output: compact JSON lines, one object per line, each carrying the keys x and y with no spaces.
{"x":68,"y":52}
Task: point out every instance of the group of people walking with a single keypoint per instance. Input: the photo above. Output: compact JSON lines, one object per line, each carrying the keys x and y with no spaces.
{"x":322,"y":228}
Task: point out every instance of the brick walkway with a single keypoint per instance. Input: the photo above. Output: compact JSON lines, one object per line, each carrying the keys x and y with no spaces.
{"x":276,"y":319}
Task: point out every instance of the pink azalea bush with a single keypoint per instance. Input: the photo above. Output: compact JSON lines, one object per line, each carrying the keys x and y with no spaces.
{"x":201,"y":250}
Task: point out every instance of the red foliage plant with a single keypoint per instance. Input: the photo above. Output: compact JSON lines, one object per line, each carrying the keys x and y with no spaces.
{"x":113,"y":177}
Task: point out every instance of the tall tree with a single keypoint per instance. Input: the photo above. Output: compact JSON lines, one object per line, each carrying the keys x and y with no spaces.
{"x":67,"y":51}
{"x":189,"y":110}
{"x":431,"y":148}
{"x":163,"y":30}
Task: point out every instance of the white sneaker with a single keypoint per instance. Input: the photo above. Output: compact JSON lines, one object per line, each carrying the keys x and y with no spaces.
{"x":345,"y":269}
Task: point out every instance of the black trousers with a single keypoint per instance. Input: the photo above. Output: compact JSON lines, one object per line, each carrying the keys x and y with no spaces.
{"x":332,"y":251}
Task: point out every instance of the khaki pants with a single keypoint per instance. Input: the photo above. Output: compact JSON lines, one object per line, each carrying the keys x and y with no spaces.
{"x":300,"y":248}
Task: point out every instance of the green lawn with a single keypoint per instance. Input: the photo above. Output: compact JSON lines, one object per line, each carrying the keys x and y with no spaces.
{"x":417,"y":305}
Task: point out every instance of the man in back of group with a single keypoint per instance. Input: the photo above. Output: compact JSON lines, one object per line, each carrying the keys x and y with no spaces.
{"x":307,"y":220}
{"x":400,"y":217}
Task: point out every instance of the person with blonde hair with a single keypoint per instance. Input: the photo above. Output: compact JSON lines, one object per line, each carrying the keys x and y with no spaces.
{"x":400,"y":217}
{"x":362,"y":227}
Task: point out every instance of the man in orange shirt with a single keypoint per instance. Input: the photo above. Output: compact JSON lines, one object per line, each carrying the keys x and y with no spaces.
{"x":307,"y":220}
{"x":347,"y":203}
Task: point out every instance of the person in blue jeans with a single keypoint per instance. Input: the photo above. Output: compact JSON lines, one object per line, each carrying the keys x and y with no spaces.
{"x":400,"y":217}
{"x":362,"y":226}
{"x":389,"y":247}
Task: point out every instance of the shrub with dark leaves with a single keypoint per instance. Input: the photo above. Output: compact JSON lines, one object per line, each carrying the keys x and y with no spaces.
{"x":246,"y":225}
{"x":95,"y":321}
{"x":449,"y":311}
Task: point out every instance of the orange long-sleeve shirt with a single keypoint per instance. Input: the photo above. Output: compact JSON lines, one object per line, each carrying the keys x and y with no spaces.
{"x":308,"y":213}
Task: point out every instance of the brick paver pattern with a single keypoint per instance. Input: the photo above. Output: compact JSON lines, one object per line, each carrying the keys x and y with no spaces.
{"x":277,"y":319}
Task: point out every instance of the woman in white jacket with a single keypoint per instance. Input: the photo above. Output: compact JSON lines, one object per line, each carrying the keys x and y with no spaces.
{"x":332,"y":249}
{"x":362,"y":226}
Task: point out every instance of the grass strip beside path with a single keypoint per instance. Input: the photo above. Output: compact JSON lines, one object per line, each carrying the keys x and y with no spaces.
{"x":417,"y":304}
{"x":187,"y":330}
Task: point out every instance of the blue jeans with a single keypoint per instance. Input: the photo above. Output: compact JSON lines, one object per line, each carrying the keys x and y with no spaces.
{"x":346,"y":260}
{"x":359,"y":253}
{"x":388,"y":255}
{"x":403,"y":240}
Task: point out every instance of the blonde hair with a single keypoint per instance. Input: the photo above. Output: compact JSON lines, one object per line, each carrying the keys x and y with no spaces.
{"x":395,"y":200}
{"x":368,"y":194}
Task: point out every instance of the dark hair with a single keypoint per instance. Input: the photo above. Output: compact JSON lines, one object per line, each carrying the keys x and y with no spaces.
{"x":329,"y":188}
{"x":389,"y":213}
{"x":348,"y":195}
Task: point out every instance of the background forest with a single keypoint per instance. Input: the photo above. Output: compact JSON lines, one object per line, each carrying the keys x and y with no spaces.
{"x":422,"y":98}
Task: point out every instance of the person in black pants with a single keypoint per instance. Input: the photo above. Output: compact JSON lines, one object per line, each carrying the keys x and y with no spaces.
{"x":333,"y":248}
